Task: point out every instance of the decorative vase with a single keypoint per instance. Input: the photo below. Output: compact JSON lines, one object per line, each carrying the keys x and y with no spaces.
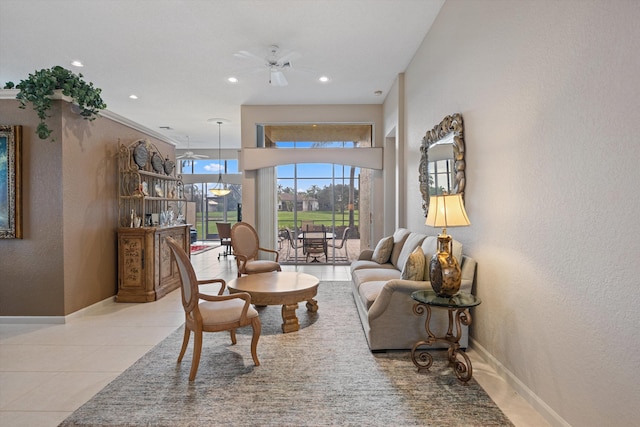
{"x":444,"y":271}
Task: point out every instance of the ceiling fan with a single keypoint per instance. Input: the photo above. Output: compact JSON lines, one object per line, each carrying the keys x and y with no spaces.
{"x":275,"y":61}
{"x":190,"y":155}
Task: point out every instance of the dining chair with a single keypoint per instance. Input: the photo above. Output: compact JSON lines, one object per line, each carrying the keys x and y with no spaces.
{"x":216,"y":313}
{"x":224,"y":231}
{"x":246,"y":246}
{"x":345,"y":236}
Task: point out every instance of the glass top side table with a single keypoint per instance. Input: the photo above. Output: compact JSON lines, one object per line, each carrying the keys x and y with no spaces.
{"x":458,"y":309}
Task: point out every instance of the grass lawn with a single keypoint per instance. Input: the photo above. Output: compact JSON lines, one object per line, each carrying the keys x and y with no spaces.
{"x":285,"y":219}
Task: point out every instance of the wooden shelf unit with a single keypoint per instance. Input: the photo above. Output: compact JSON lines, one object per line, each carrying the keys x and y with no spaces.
{"x":146,"y":271}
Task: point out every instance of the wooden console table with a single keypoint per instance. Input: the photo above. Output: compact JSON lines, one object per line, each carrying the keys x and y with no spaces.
{"x":146,"y":271}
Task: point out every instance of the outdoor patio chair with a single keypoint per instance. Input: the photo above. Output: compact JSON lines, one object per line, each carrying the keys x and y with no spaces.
{"x":315,"y":244}
{"x":345,"y":236}
{"x":293,"y":243}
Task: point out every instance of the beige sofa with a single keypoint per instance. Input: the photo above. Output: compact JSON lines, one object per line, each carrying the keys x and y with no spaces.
{"x":384,"y":300}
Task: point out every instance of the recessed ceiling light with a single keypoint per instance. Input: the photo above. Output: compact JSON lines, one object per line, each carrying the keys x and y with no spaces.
{"x":132,"y":96}
{"x":377,"y":93}
{"x":232,"y":80}
{"x":324,"y":79}
{"x":77,"y":64}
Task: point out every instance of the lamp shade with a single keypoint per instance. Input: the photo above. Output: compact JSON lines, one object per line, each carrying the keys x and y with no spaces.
{"x":447,"y":211}
{"x":220,"y":191}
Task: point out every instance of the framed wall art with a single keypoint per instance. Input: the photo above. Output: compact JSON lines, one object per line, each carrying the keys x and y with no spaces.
{"x":10,"y":182}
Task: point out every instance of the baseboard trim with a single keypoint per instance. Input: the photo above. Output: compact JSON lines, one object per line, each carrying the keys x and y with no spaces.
{"x":54,"y":320}
{"x":527,"y":394}
{"x":35,"y":320}
{"x":87,"y":310}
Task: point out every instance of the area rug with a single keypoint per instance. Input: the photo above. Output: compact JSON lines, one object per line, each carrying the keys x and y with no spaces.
{"x":321,"y":375}
{"x":198,"y":249}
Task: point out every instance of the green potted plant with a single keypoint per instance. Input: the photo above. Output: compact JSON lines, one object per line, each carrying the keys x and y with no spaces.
{"x":38,"y":88}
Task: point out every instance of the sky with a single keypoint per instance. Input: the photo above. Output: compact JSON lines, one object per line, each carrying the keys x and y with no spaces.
{"x":308,"y":173}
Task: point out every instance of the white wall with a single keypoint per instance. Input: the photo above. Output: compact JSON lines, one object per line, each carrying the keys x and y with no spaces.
{"x":260,"y":114}
{"x":393,"y":174}
{"x":549,"y":92}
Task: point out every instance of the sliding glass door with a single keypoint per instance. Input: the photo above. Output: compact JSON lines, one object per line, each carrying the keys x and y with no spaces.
{"x":317,"y":201}
{"x":206,"y":209}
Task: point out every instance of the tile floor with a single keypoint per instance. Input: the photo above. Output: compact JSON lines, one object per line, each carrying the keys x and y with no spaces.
{"x":49,"y":370}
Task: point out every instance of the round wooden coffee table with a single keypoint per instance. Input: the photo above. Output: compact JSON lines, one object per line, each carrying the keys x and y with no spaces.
{"x":286,"y":288}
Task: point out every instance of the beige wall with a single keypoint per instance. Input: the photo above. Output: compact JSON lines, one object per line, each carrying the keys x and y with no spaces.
{"x":549,"y":95}
{"x":67,"y":257}
{"x":31,"y":268}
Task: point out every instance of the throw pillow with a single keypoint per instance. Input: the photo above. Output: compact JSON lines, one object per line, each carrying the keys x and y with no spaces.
{"x":383,"y":249}
{"x":414,"y":267}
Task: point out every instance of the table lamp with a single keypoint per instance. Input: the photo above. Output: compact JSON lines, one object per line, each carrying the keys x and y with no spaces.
{"x":444,"y":271}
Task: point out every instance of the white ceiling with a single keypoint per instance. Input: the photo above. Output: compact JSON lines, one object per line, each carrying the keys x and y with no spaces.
{"x":176,"y":55}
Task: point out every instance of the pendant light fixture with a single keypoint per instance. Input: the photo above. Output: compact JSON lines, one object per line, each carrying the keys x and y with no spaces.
{"x":220,"y":189}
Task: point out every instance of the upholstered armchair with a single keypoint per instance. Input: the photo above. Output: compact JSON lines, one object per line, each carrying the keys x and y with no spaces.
{"x":211,"y":313}
{"x":246,"y":246}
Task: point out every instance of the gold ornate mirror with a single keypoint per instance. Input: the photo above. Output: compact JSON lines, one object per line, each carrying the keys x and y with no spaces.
{"x":442,"y":162}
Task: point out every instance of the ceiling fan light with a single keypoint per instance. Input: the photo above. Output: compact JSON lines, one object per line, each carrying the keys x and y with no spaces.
{"x":277,"y":78}
{"x":220,"y":189}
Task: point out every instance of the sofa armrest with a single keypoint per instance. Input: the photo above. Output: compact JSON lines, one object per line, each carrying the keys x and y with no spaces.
{"x":468,"y":268}
{"x":366,"y":255}
{"x":406,"y":287}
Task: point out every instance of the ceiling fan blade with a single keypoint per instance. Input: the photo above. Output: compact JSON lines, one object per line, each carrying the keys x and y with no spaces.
{"x":190,"y":155}
{"x":277,"y":78}
{"x":248,"y":55}
{"x":288,"y":58}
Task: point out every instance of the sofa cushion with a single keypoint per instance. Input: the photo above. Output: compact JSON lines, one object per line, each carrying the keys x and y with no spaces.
{"x":365,"y":263}
{"x":373,"y":274}
{"x":383,"y":249}
{"x":399,"y":237}
{"x":413,"y":241}
{"x":369,"y":291}
{"x":414,"y":267}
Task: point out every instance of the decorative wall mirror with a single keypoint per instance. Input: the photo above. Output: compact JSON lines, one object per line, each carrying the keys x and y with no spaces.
{"x":442,"y":162}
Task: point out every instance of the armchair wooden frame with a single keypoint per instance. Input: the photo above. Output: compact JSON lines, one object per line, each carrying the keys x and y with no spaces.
{"x":216,"y":313}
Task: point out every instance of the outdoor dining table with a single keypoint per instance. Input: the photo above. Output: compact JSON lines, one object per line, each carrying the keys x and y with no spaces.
{"x":316,"y":235}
